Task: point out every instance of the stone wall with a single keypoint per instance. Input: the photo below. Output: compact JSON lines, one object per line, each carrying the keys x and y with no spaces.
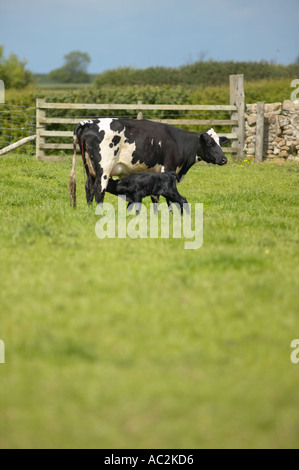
{"x":281,"y":131}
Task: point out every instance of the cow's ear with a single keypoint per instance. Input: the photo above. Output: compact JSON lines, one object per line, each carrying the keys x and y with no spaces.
{"x":223,"y":140}
{"x":205,"y":139}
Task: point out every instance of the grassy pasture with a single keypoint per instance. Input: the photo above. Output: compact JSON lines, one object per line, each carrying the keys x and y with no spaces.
{"x":122,"y":343}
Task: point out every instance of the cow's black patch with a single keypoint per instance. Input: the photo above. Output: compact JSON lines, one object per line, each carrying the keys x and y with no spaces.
{"x":136,"y":157}
{"x":116,"y":140}
{"x":101,"y":136}
{"x":116,"y":125}
{"x":100,"y":139}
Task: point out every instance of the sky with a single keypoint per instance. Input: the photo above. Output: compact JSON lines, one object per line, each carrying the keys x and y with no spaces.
{"x":145,"y":33}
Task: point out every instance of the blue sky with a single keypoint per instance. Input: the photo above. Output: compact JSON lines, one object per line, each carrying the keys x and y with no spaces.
{"x":144,"y":33}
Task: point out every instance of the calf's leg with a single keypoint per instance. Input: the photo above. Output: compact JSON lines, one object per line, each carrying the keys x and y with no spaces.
{"x":172,"y":195}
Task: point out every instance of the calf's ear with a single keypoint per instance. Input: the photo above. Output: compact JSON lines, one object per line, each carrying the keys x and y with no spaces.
{"x":223,"y":140}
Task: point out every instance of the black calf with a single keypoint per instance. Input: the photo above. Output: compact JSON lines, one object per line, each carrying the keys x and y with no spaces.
{"x":137,"y":186}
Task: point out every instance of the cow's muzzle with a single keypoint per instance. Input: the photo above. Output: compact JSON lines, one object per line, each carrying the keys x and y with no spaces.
{"x":222,"y":161}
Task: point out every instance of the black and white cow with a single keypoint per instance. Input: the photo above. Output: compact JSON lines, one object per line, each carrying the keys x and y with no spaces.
{"x":119,"y":147}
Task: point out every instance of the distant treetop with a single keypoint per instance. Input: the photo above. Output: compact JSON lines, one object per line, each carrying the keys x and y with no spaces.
{"x":74,"y":69}
{"x":13,"y":71}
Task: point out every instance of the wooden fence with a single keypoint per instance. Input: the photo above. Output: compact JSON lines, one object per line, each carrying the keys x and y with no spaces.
{"x":236,"y":109}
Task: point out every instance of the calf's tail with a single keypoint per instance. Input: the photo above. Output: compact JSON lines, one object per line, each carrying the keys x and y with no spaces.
{"x":175,"y":175}
{"x":72,"y":182}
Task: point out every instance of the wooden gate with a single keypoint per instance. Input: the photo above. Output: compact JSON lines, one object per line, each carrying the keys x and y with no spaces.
{"x":45,"y":138}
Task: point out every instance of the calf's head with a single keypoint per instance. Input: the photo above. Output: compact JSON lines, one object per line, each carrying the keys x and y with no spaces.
{"x":210,"y":147}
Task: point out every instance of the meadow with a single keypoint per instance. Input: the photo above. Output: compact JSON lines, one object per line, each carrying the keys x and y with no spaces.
{"x":138,"y":343}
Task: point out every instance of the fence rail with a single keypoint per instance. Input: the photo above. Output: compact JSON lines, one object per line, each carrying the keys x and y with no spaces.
{"x":140,"y":106}
{"x":53,"y":139}
{"x":17,"y":122}
{"x":17,"y":144}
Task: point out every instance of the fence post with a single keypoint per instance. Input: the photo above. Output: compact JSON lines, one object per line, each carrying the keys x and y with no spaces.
{"x":237,"y":98}
{"x":139,"y":114}
{"x":259,"y":142}
{"x":40,"y":115}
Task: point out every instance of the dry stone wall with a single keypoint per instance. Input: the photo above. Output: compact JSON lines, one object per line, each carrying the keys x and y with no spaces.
{"x":281,"y":130}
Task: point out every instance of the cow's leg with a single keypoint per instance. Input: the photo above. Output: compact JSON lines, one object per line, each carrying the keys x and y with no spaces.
{"x":99,"y":192}
{"x":90,"y":173}
{"x":99,"y":166}
{"x":104,"y":181}
{"x":89,"y":189}
{"x":155,"y":201}
{"x":101,"y":183}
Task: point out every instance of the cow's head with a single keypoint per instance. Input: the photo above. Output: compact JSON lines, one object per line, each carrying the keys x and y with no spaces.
{"x":210,"y":147}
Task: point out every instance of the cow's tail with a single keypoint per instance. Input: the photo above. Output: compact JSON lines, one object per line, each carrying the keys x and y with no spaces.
{"x":72,"y":182}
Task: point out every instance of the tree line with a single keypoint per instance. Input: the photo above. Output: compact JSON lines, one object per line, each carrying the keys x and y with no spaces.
{"x":14,"y":73}
{"x":201,"y":73}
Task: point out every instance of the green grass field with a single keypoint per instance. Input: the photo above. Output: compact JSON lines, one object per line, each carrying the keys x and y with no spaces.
{"x":122,"y":343}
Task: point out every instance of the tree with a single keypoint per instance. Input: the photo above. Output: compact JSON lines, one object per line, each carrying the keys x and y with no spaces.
{"x":74,"y":70}
{"x":13,"y":71}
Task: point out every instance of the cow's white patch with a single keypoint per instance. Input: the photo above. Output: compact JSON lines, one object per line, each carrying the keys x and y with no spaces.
{"x":214,"y":136}
{"x":160,"y":144}
{"x":115,"y":161}
{"x":88,"y":121}
{"x":106,"y":152}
